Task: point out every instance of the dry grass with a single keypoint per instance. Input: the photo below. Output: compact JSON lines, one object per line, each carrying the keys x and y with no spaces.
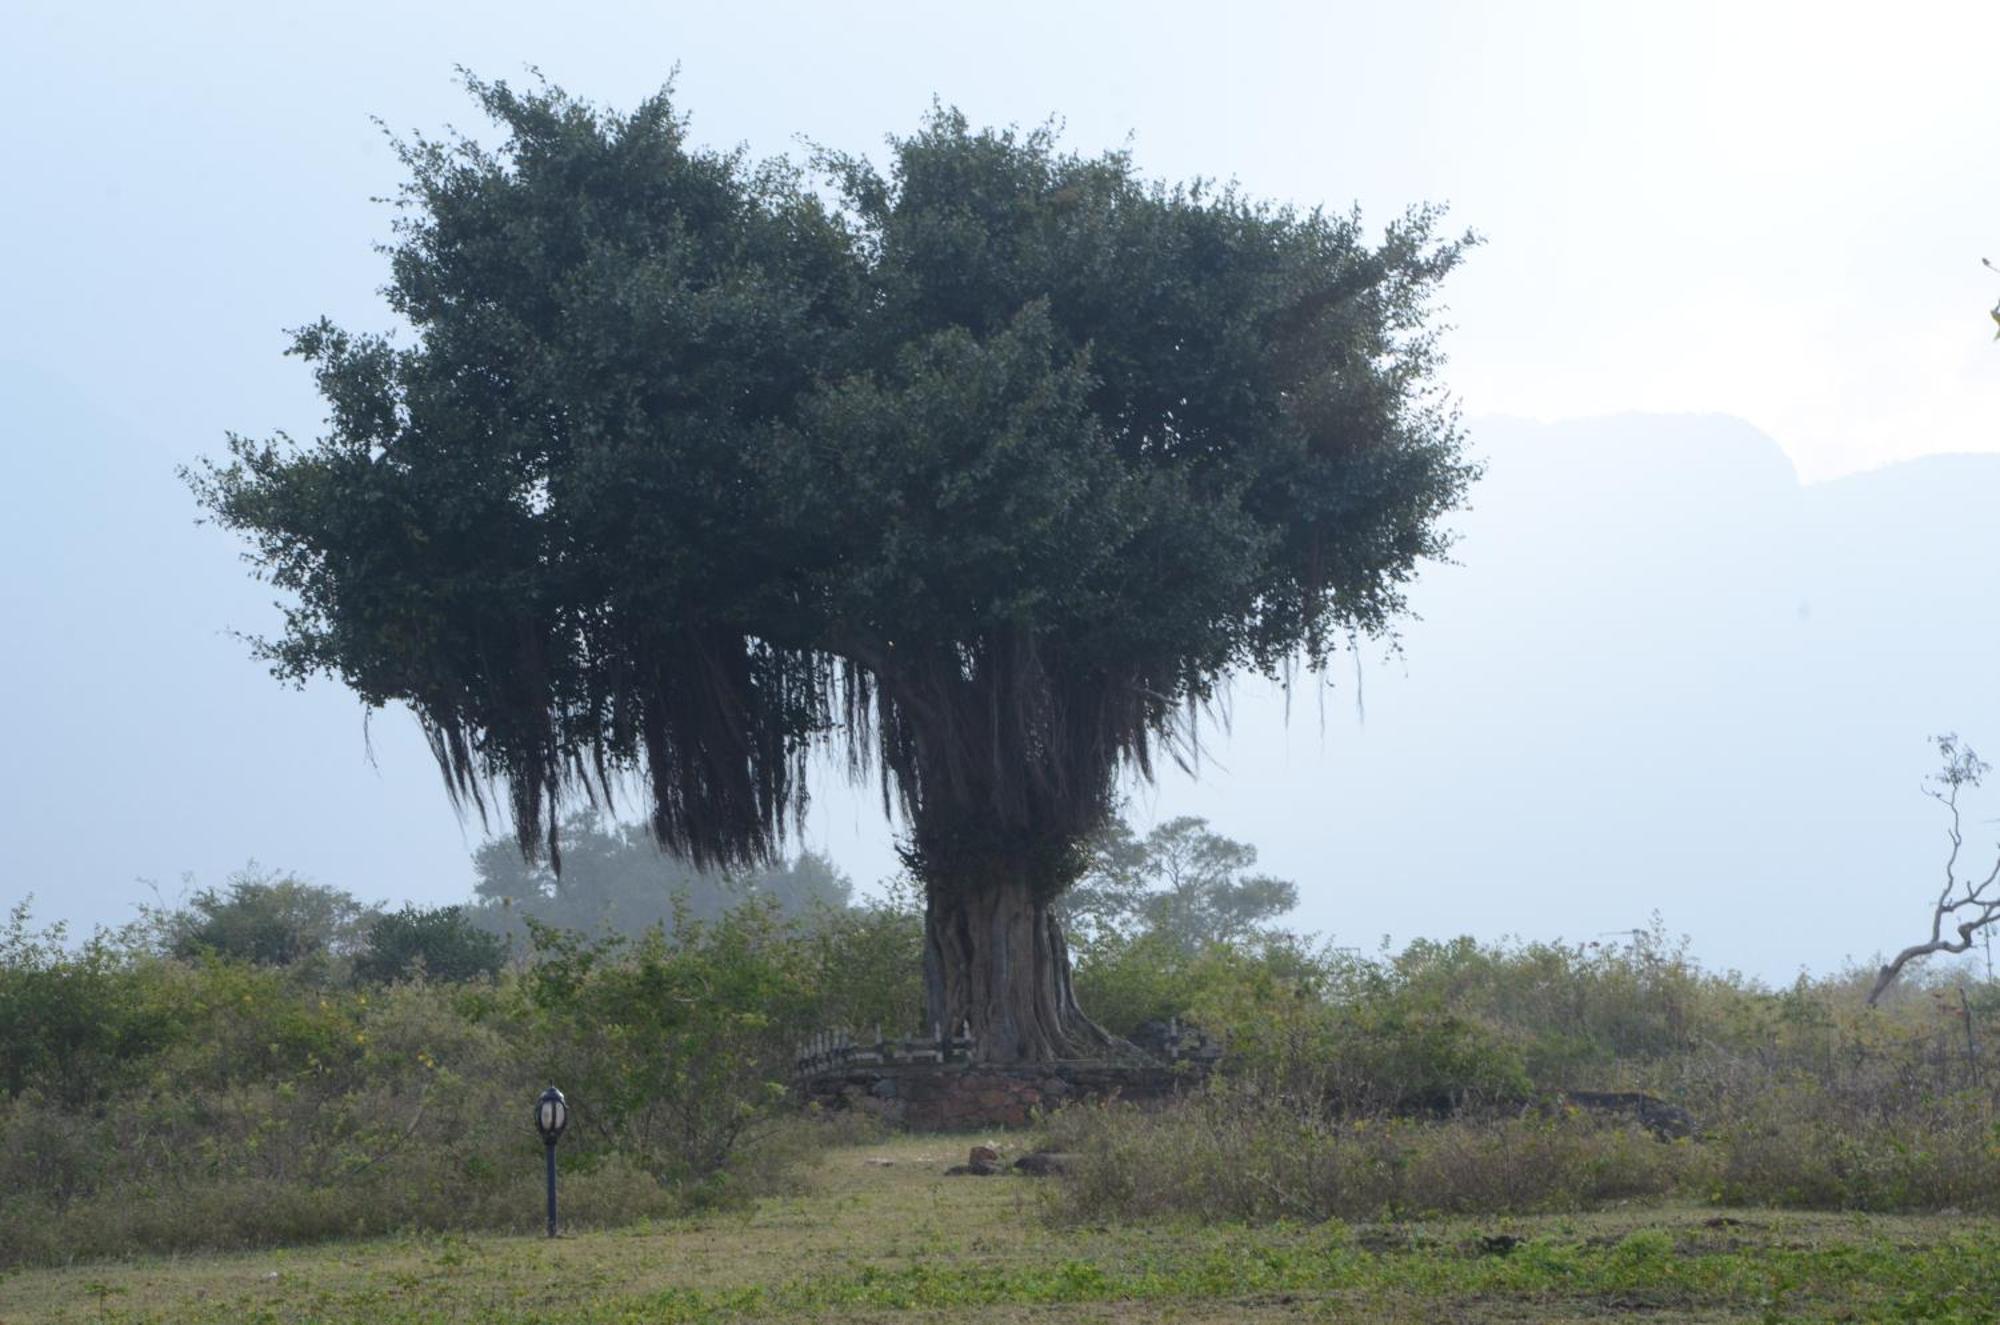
{"x":884,"y":1236}
{"x":1229,"y":1154}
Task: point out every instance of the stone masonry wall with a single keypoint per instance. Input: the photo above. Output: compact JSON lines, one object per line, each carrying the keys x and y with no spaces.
{"x":945,"y":1096}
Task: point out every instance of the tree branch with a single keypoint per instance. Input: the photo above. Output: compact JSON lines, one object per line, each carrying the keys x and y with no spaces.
{"x":1962,"y":768}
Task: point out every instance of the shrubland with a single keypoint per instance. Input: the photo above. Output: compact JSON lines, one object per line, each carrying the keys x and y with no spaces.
{"x":1444,"y":1079}
{"x":164,"y":1098}
{"x":213,"y":1079}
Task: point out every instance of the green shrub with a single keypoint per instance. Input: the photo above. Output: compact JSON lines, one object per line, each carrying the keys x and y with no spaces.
{"x":1126,"y":982}
{"x":245,"y":1023}
{"x":441,"y":943}
{"x":675,"y":1051}
{"x":75,"y":1024}
{"x":1316,"y":1029}
{"x":868,"y":965}
{"x":168,"y":1102}
{"x":269,"y":919}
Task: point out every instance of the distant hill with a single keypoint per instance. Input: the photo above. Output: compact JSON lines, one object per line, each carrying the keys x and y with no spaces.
{"x":1663,"y":674}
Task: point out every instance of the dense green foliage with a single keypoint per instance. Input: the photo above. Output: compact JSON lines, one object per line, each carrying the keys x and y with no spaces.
{"x":1233,"y":1151}
{"x":439,"y":943}
{"x":672,"y":1050}
{"x":269,"y":919}
{"x":77,"y":1024}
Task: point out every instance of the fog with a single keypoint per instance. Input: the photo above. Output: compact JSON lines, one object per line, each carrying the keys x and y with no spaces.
{"x":1687,"y":661}
{"x":1662,"y":675}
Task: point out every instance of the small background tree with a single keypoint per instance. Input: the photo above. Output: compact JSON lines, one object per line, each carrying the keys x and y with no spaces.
{"x":1181,"y":882}
{"x":440,"y":942}
{"x":270,"y":919}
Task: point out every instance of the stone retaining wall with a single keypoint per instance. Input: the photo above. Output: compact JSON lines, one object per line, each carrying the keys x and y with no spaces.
{"x":969,"y":1095}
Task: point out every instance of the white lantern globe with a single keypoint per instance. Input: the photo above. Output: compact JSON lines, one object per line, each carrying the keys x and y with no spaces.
{"x":551,"y":1115}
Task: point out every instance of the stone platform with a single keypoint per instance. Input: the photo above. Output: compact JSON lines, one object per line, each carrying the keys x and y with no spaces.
{"x":945,"y":1096}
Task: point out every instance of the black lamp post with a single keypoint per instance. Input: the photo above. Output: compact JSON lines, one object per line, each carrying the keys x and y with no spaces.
{"x":551,"y":1116}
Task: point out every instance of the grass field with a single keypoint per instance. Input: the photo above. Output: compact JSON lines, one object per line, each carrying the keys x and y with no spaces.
{"x":885,"y":1236}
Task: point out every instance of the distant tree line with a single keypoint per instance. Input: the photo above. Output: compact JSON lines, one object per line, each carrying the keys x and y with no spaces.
{"x":1179,"y":886}
{"x":270,"y":918}
{"x":616,"y":880}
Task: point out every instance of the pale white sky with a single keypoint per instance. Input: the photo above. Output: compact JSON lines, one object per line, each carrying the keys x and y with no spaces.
{"x":1771,"y":211}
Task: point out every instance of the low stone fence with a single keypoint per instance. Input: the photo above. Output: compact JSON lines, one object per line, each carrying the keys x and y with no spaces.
{"x":840,"y":1049}
{"x":837,"y":1050}
{"x":941,"y":1096}
{"x":930,"y":1081}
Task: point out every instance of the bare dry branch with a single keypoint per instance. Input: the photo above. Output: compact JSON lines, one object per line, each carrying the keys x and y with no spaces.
{"x":1978,"y":896}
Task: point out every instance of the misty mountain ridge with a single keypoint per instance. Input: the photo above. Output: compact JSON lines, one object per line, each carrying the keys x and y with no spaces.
{"x":1661,"y":674}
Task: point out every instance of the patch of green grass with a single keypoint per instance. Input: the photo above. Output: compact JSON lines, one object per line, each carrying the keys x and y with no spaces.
{"x":885,"y":1236}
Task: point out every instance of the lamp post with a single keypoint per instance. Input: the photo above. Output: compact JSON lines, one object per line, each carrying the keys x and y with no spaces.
{"x":551,"y":1116}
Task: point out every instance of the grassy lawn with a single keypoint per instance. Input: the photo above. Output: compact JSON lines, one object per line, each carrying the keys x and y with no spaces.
{"x":885,"y":1236}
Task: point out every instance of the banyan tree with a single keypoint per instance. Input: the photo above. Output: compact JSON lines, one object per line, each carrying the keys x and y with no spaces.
{"x":985,"y":465}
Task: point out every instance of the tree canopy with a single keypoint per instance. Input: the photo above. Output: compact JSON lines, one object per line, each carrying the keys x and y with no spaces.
{"x":987,"y":462}
{"x":268,"y":918}
{"x":441,"y":941}
{"x":1182,"y":882}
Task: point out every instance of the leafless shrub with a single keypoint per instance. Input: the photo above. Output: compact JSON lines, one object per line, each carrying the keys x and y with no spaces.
{"x":1968,"y":904}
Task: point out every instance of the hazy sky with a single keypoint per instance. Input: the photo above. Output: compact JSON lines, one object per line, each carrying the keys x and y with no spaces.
{"x":1773,"y":211}
{"x":1768,"y":211}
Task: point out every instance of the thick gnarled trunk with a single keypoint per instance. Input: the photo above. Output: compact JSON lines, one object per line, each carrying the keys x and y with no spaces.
{"x":1005,"y":767}
{"x":995,"y":960}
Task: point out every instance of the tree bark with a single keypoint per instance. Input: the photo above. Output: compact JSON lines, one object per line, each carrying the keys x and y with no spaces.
{"x":995,"y":959}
